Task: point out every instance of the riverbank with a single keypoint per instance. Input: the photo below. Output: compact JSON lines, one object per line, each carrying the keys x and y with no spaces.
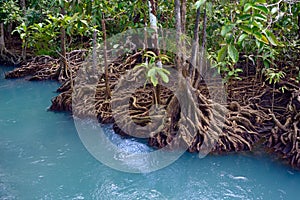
{"x":252,"y":118}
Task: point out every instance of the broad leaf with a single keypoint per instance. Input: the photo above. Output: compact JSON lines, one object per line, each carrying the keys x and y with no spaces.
{"x":154,"y":80}
{"x":242,"y":38}
{"x":233,"y":53}
{"x":245,"y":17}
{"x":151,"y":72}
{"x":226,"y":29}
{"x":260,"y":17}
{"x":247,"y":7}
{"x":260,"y":37}
{"x":263,"y":9}
{"x":163,"y":76}
{"x":222,"y":54}
{"x":231,"y":73}
{"x":271,"y":37}
{"x":246,"y":29}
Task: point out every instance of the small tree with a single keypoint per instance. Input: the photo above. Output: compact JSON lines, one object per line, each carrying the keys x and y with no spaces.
{"x":153,"y":72}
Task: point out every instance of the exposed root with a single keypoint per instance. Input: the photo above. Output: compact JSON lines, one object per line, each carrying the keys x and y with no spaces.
{"x":198,"y":122}
{"x":46,"y":67}
{"x":201,"y":124}
{"x":8,"y":57}
{"x":284,"y":138}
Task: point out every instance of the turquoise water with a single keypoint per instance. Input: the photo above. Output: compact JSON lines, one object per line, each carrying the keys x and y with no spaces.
{"x":41,"y":157}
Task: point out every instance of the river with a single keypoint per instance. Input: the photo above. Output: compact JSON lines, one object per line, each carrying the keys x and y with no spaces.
{"x":42,"y":157}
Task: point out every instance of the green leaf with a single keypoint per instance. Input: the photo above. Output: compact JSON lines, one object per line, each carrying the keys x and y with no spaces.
{"x":154,"y":80}
{"x":260,"y":37}
{"x":242,"y":38}
{"x":151,"y":72}
{"x":261,"y":1}
{"x":238,"y":70}
{"x":222,"y":54}
{"x":163,"y":76}
{"x":260,"y":17}
{"x":199,"y":3}
{"x":229,"y":38}
{"x":247,"y":7}
{"x":230,"y":73}
{"x":152,"y":60}
{"x":257,"y":26}
{"x":140,"y":65}
{"x":271,"y":37}
{"x":266,"y":64}
{"x":164,"y":58}
{"x":22,"y":35}
{"x":233,"y":53}
{"x":226,"y":29}
{"x":245,"y":17}
{"x":84,"y":22}
{"x":150,"y":54}
{"x":263,"y":9}
{"x":165,"y":71}
{"x":246,"y":29}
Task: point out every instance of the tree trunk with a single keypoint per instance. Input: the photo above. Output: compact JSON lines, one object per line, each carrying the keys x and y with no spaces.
{"x":183,"y":16}
{"x":204,"y":29}
{"x":178,"y":35}
{"x":203,"y":46}
{"x":2,"y":42}
{"x":299,"y":26}
{"x":94,"y":49}
{"x":23,"y":6}
{"x":145,"y":45}
{"x":108,"y":93}
{"x":63,"y":61}
{"x":9,"y":30}
{"x":195,"y":45}
{"x":153,"y":24}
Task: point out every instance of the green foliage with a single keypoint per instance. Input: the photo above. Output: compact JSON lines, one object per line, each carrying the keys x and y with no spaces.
{"x":39,"y":36}
{"x":298,"y":77}
{"x":9,"y":11}
{"x":274,"y":76}
{"x":153,"y":72}
{"x":266,"y":33}
{"x":251,"y":29}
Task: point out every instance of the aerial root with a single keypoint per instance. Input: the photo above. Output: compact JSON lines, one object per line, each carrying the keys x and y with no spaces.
{"x":200,"y":124}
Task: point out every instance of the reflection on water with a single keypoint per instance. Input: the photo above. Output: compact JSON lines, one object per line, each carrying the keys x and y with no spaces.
{"x":42,"y":157}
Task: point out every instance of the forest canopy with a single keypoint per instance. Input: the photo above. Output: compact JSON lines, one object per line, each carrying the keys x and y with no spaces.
{"x":263,"y":33}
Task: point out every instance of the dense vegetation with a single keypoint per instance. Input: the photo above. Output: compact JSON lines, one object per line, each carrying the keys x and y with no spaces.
{"x":258,"y":32}
{"x":253,"y":44}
